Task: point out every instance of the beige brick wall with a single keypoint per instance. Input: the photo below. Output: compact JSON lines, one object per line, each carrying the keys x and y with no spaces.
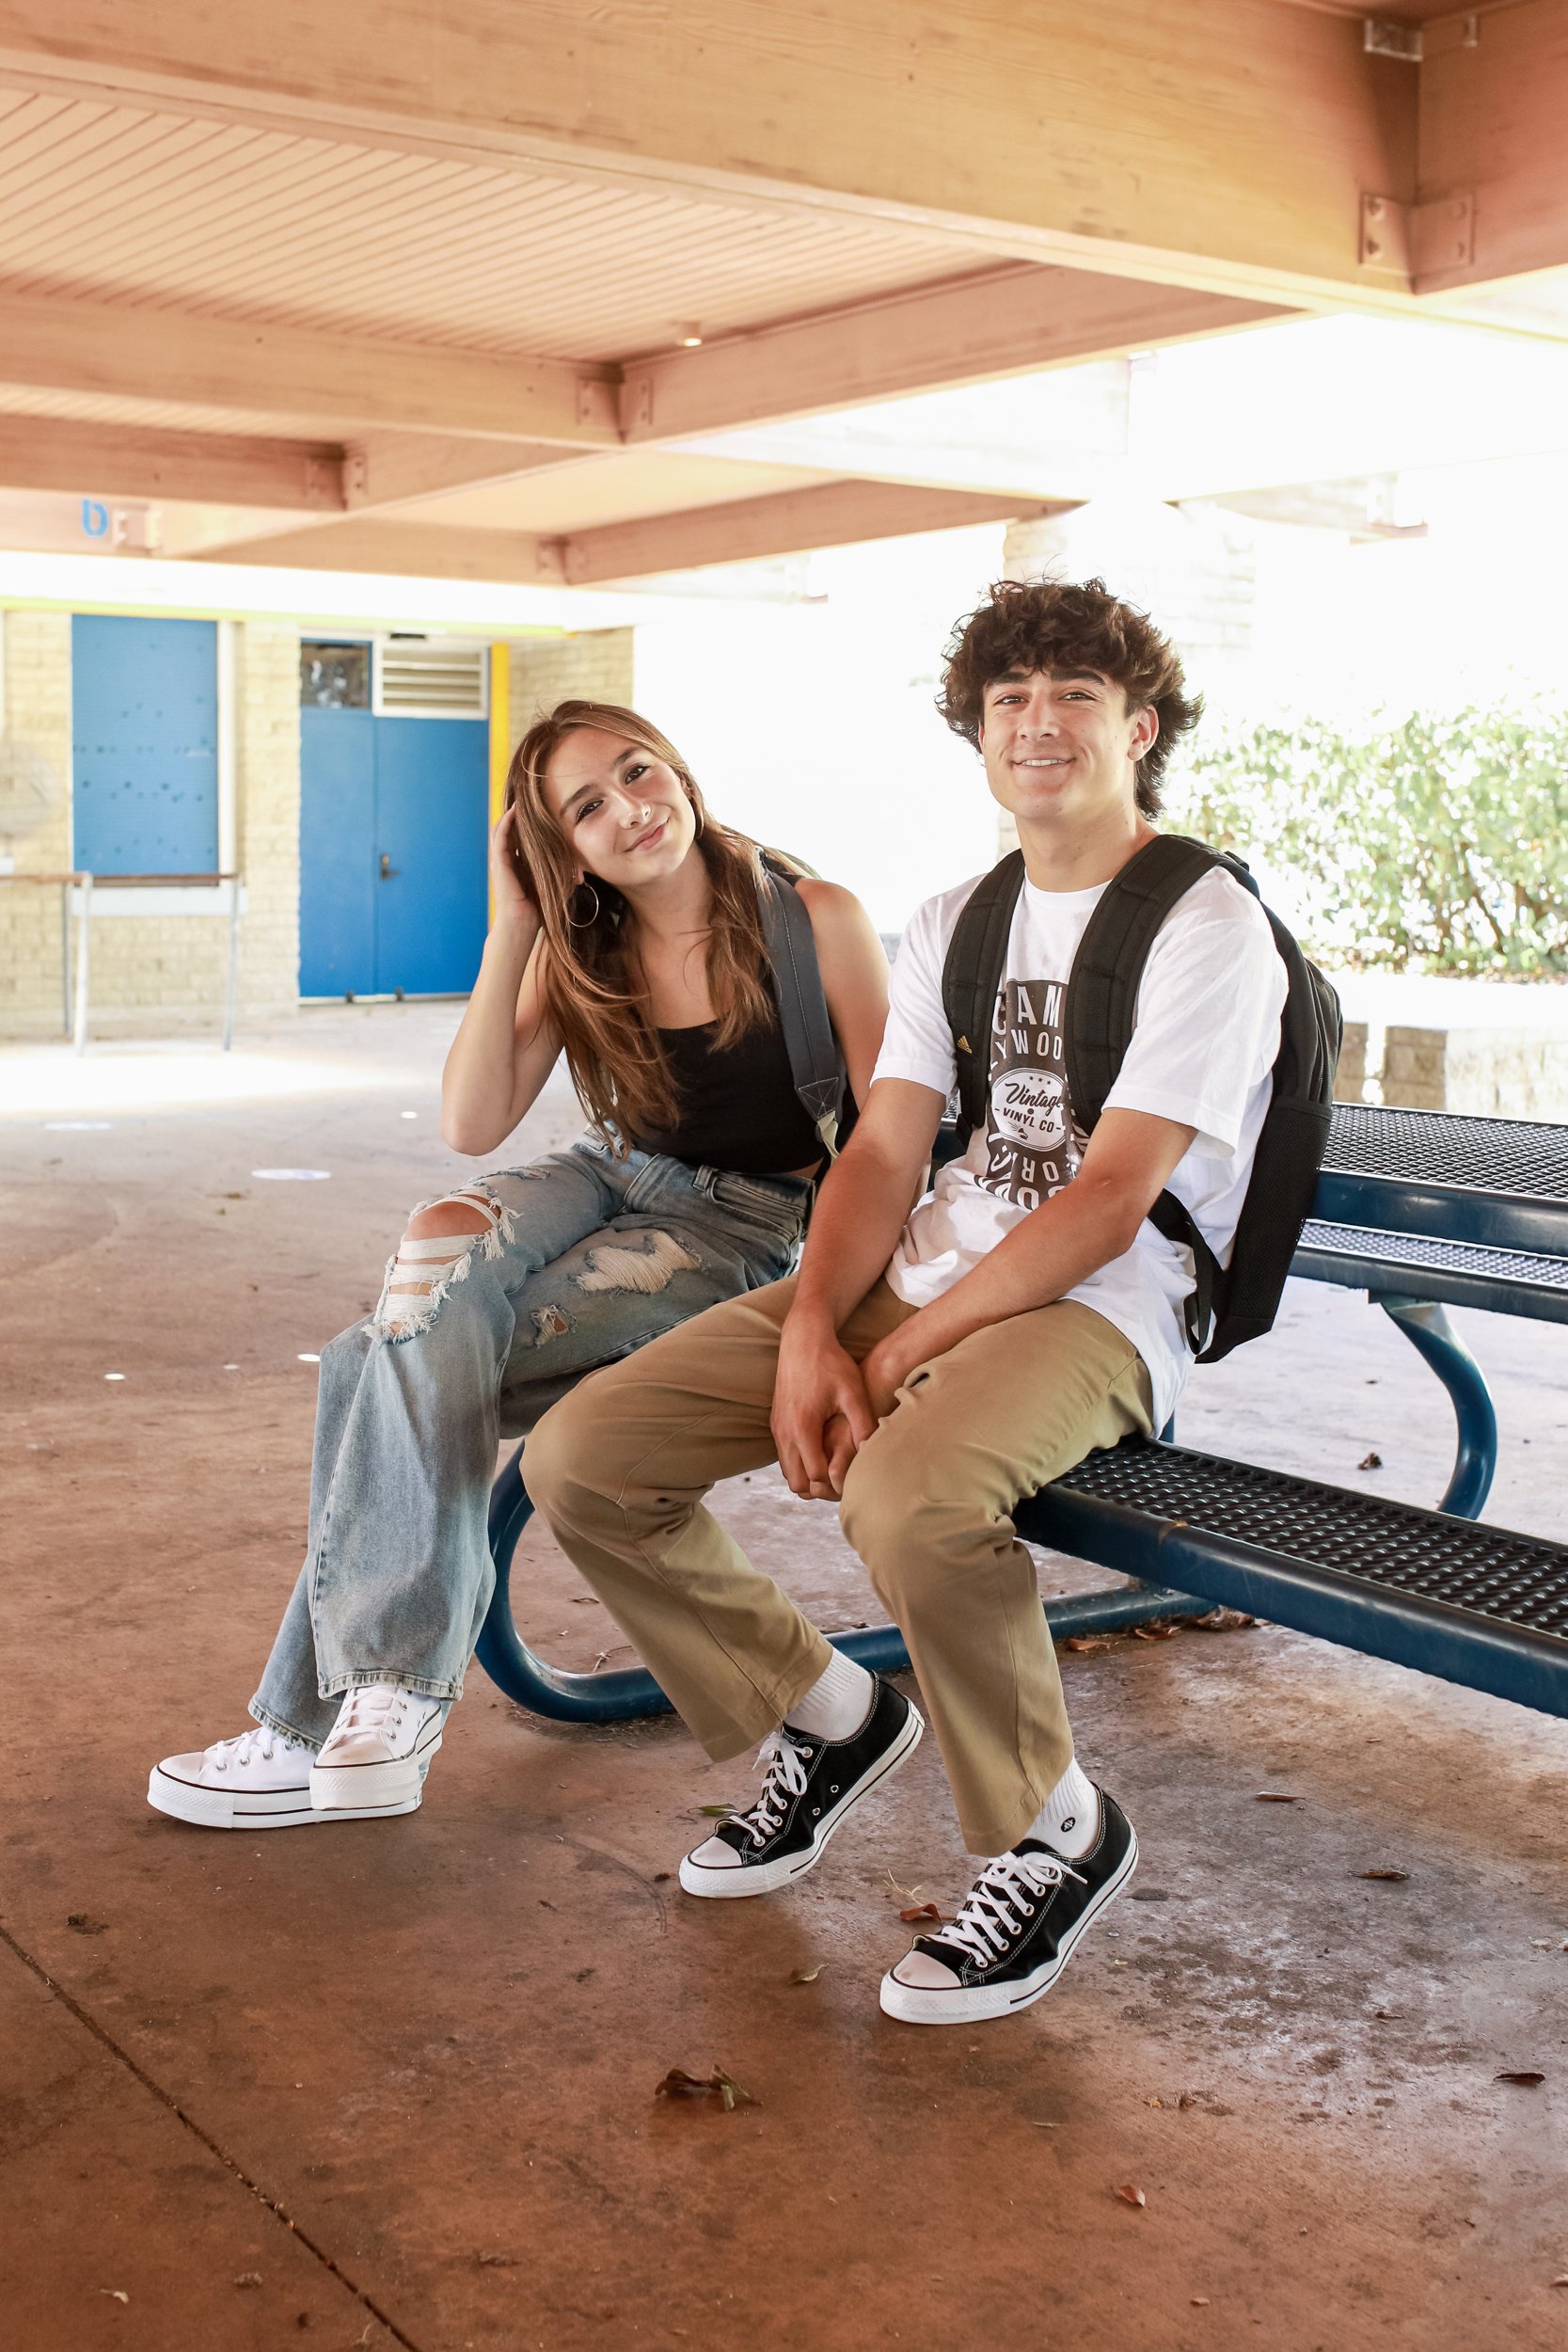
{"x":594,"y":665}
{"x":37,"y":714}
{"x":150,"y":968}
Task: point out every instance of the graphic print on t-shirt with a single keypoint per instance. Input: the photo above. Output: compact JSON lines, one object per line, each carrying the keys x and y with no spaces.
{"x":1033,"y":1143}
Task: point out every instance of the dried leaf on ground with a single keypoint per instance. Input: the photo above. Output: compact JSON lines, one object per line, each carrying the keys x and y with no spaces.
{"x":1371,"y":1461}
{"x":1186,"y":2100}
{"x":924,"y":1911}
{"x":661,"y":1876}
{"x":85,"y":1925}
{"x":718,"y":2086}
{"x":498,"y":2261}
{"x":806,"y":1976}
{"x":715,"y":1812}
{"x":1222,"y":1621}
{"x":1084,"y":1641}
{"x":1525,"y":2075}
{"x":1275,"y":1796}
{"x":1130,"y":2196}
{"x":1562,"y":2281}
{"x":115,"y":2295}
{"x":1164,"y":1633}
{"x":1198,"y":2302}
{"x":1398,"y":1876}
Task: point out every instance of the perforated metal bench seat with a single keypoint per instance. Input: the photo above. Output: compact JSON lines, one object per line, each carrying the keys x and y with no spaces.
{"x":1508,"y":1282}
{"x":1496,"y":1184}
{"x":1476,"y":1605}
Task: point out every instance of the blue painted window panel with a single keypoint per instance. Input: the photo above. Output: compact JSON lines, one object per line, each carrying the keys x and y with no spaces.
{"x":144,"y":745}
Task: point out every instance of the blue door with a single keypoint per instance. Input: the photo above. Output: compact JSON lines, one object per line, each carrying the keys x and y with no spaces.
{"x":394,"y":815}
{"x":337,"y":864}
{"x":433,"y":817}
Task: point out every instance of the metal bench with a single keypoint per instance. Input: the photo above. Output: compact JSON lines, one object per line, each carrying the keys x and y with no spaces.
{"x":1421,"y":1210}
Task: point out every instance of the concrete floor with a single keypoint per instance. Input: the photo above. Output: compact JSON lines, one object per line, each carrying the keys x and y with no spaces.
{"x":394,"y":2085}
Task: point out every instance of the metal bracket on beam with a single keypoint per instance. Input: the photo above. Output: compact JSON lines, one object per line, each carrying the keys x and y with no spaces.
{"x":1444,"y":234}
{"x":1384,"y":37}
{"x":356,"y":478}
{"x":637,"y":405}
{"x":1413,"y":241}
{"x":1385,"y":239}
{"x":597,"y":402}
{"x":326,"y":482}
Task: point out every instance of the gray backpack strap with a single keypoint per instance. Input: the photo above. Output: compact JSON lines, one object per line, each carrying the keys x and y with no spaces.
{"x":814,"y":1061}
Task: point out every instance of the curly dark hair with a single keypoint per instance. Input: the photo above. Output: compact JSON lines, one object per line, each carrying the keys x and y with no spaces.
{"x":1068,"y":626}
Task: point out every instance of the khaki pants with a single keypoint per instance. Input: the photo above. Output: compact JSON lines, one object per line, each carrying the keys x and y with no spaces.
{"x":620,"y":1468}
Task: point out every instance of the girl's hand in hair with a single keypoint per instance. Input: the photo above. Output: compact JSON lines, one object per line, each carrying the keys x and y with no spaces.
{"x":516,"y":900}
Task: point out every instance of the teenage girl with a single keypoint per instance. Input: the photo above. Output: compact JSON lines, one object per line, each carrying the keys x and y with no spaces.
{"x":627,"y":934}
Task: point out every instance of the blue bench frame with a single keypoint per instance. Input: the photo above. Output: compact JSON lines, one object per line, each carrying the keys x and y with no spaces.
{"x":1415,"y":1243}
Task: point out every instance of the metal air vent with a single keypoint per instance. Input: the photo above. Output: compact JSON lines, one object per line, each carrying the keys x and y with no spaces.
{"x":431,"y":678}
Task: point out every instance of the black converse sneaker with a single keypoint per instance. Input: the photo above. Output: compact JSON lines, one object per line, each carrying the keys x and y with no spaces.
{"x":810,"y":1786}
{"x":1015,"y":1931}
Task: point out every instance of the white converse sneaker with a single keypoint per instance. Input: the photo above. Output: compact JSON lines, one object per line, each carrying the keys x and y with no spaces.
{"x":376,"y":1755}
{"x":259,"y":1781}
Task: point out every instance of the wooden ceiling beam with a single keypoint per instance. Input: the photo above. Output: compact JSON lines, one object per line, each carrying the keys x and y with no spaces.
{"x":1223,"y":148}
{"x":787,"y":522}
{"x":421,"y":550}
{"x":123,"y":462}
{"x":389,"y":469}
{"x":1007,"y":322}
{"x":1493,"y":195}
{"x":834,"y":513}
{"x":354,"y":383}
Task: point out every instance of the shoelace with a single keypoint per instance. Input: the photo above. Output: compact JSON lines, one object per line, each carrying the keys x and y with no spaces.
{"x":368,"y":1707}
{"x":787,"y":1778}
{"x":263,"y":1741}
{"x":986,"y":1924}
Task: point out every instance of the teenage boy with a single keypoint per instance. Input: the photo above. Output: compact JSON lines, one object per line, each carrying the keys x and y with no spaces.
{"x":931,"y":1367}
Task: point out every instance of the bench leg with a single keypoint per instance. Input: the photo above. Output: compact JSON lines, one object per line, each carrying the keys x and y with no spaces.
{"x":1427,"y":1327}
{"x":631,"y":1692}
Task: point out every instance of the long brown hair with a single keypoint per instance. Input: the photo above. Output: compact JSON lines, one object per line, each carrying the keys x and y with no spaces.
{"x":591,"y":983}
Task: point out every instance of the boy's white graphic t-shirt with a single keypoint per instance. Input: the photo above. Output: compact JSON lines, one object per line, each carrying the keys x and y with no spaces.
{"x":1205,"y":1033}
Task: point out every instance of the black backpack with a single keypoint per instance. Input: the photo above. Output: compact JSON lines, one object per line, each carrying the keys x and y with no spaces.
{"x":815,"y":1064}
{"x":1232,"y":1303}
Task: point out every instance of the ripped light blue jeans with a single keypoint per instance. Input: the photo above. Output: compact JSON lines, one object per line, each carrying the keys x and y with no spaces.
{"x":584,"y":1258}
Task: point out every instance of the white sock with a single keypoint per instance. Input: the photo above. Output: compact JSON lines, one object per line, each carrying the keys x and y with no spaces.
{"x":1068,"y":1820}
{"x":837,"y":1703}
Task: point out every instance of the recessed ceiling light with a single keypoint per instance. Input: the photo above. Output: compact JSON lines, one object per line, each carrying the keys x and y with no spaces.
{"x":689,"y":335}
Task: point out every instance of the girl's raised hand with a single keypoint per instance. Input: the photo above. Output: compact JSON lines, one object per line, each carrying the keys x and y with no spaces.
{"x":516,"y":900}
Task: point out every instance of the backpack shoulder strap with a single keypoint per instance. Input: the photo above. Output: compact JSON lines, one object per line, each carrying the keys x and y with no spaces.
{"x":1110,"y":956}
{"x":970,"y":977}
{"x":1101,"y":1001}
{"x":815,"y":1064}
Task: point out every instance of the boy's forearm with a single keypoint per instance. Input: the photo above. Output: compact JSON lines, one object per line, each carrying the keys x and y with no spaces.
{"x":858,"y":1215}
{"x":1057,"y":1245}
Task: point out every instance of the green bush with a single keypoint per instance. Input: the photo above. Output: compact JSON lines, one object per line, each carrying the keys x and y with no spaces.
{"x":1439,"y":844}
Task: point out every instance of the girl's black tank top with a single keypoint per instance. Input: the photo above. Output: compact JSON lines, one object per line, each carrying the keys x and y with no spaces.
{"x":738,"y":1107}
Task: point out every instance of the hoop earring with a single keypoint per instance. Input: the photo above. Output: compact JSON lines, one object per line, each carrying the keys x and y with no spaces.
{"x":588,"y":922}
